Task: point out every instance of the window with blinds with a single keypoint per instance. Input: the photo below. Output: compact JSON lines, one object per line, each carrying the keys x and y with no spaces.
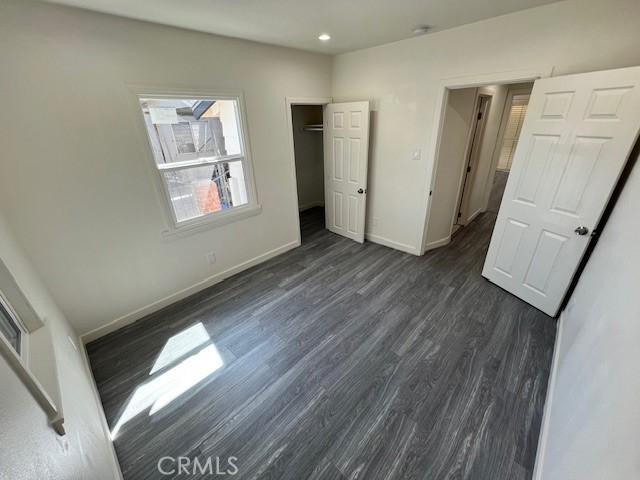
{"x":512,"y":131}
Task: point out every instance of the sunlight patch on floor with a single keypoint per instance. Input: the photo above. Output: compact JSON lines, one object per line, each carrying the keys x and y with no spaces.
{"x":163,"y":388}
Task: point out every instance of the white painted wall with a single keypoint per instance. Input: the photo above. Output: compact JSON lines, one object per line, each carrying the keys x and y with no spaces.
{"x":401,"y":79}
{"x":74,"y":179}
{"x":29,"y":446}
{"x":593,"y":415}
{"x":458,"y":120}
{"x":309,"y":155}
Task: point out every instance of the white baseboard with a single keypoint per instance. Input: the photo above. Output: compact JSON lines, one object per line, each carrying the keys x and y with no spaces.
{"x":307,"y":206}
{"x":546,"y":416}
{"x":391,"y":243}
{"x":131,"y":317}
{"x":473,"y":217}
{"x":438,"y":243}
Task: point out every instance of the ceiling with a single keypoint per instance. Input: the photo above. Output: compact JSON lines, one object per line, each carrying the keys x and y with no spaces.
{"x":352,"y":24}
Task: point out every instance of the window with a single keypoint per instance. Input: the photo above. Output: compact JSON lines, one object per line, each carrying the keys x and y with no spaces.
{"x":517,"y":113}
{"x":11,"y":328}
{"x":198,"y":146}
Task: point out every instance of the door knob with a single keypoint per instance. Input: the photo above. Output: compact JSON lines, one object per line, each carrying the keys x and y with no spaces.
{"x":581,"y":230}
{"x":360,"y":191}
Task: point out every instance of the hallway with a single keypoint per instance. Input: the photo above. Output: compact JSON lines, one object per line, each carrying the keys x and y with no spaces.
{"x":497,"y":190}
{"x":339,"y":359}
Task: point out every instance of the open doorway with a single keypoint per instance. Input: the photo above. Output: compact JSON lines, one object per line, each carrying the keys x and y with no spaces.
{"x":480,"y":131}
{"x":307,"y":129}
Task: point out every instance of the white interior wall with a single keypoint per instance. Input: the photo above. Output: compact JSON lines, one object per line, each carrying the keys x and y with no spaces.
{"x":402,"y":80}
{"x":75,"y":181}
{"x":458,"y":120}
{"x":592,"y":418}
{"x":309,"y":156}
{"x":30,"y":447}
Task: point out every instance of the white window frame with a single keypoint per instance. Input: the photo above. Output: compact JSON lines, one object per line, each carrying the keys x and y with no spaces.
{"x":24,"y":333}
{"x":177,"y":228}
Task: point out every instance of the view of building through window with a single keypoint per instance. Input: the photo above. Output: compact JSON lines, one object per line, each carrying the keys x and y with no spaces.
{"x":198,"y":150}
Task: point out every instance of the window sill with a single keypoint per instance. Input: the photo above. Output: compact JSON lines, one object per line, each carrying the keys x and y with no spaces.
{"x":208,"y":223}
{"x":34,"y":387}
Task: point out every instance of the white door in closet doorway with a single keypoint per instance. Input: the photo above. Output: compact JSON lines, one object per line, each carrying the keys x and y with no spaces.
{"x":346,"y":156}
{"x":575,"y":140}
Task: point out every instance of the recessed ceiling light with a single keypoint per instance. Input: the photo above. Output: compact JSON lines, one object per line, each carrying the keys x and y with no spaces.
{"x":421,"y":29}
{"x":324,"y":37}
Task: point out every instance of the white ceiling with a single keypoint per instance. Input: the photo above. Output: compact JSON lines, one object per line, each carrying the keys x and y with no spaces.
{"x":352,"y":24}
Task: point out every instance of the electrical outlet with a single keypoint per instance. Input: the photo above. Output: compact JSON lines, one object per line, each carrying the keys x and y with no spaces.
{"x":211,"y":258}
{"x":374,"y":221}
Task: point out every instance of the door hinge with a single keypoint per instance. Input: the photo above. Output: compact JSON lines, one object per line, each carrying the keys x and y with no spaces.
{"x":459,"y":214}
{"x":430,"y":192}
{"x":468,"y":169}
{"x":479,"y":115}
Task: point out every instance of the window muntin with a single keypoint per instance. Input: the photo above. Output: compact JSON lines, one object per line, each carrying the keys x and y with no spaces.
{"x":198,"y":149}
{"x":207,"y":189}
{"x":10,"y":327}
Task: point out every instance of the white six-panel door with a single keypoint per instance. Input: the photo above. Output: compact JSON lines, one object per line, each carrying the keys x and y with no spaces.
{"x":346,"y":153}
{"x":575,"y":140}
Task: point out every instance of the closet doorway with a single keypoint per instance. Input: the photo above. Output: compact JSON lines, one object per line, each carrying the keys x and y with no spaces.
{"x":308,"y":155}
{"x":330,"y":152}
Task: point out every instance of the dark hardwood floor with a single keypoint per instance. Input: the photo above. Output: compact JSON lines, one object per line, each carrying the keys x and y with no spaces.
{"x":336,"y":361}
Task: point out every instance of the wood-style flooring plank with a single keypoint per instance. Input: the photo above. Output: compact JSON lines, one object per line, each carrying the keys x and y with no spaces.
{"x":339,"y":361}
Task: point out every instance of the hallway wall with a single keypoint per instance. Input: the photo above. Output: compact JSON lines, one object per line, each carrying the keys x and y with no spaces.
{"x":458,"y":120}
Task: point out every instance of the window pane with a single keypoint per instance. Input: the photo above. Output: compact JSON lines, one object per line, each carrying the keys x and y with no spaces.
{"x":182,"y":129}
{"x":202,"y":138}
{"x":9,"y":329}
{"x":203,"y":190}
